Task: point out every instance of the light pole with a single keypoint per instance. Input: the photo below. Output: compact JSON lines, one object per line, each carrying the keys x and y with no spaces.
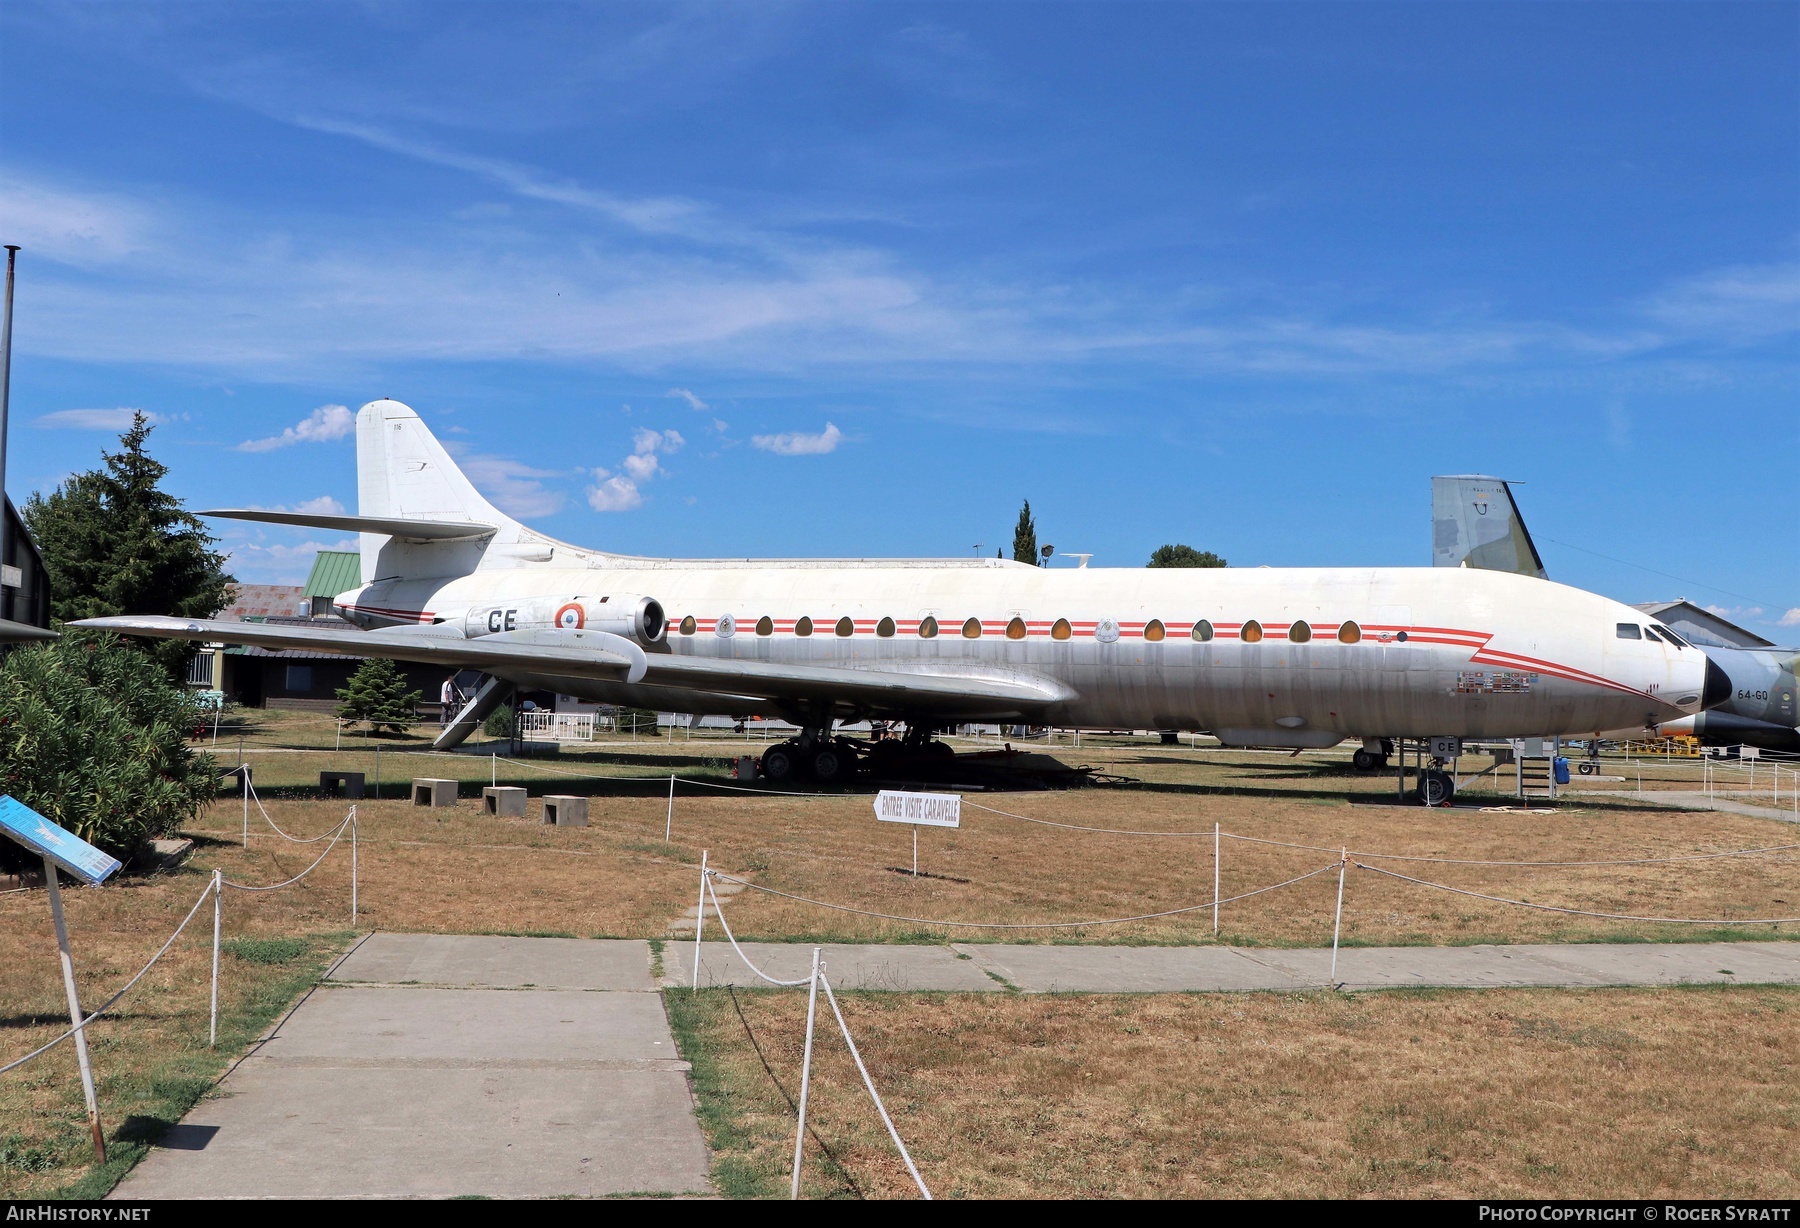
{"x":12,"y":259}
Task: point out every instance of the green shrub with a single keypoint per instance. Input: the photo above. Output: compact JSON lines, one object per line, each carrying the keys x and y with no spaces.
{"x":92,"y":737}
{"x":377,"y":693}
{"x":499,"y":723}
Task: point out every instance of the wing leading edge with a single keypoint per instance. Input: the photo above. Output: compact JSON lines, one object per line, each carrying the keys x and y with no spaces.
{"x":595,"y":654}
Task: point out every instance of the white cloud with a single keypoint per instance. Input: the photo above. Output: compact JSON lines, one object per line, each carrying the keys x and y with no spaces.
{"x":1738,"y":305}
{"x":1735,"y":611}
{"x":799,"y":443}
{"x":694,"y":402}
{"x":515,"y":488}
{"x":324,"y":505}
{"x":258,"y":562}
{"x":620,"y":492}
{"x":91,"y":419}
{"x":325,"y":423}
{"x":614,"y":494}
{"x":82,"y":229}
{"x":1791,"y":618}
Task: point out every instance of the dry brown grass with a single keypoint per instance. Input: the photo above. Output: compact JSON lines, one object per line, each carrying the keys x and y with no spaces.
{"x":457,"y":871}
{"x":1499,"y":1093}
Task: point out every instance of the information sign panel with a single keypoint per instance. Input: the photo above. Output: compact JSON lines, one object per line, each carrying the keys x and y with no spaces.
{"x":60,"y":845}
{"x":928,"y":809}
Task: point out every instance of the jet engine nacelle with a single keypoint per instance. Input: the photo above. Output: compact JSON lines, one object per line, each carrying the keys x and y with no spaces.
{"x":640,"y":619}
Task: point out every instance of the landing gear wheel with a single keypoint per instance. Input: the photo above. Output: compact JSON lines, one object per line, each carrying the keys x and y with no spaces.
{"x":1435,"y":788}
{"x":778,"y":764}
{"x":1588,"y":768}
{"x":1368,"y":761}
{"x":828,"y":765}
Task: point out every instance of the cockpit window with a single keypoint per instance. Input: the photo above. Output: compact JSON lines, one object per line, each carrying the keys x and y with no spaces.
{"x":1672,"y":637}
{"x":1650,"y":634}
{"x":1629,"y":631}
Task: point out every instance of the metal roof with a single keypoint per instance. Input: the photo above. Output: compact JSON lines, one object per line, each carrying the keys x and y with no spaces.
{"x":334,"y":572}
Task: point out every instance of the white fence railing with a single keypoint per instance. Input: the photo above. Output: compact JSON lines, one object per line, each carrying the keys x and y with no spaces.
{"x":557,"y":726}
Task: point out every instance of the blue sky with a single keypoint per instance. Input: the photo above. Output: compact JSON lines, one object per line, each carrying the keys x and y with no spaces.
{"x":857,"y":278}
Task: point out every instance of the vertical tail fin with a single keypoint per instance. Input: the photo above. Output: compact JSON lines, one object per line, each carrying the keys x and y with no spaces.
{"x":403,"y":472}
{"x":1475,"y":523}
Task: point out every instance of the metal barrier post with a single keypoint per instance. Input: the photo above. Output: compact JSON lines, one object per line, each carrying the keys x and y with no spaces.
{"x":212,"y":1033}
{"x":1338,"y":925}
{"x":700,"y":918}
{"x":669,"y":822}
{"x":1215,"y":880}
{"x":812,"y":1011}
{"x":81,"y":1048}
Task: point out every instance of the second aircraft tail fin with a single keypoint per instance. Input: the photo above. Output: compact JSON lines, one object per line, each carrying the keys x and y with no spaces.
{"x":1476,"y":523}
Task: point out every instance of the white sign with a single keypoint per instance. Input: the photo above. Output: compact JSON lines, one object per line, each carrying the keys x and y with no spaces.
{"x":11,"y":577}
{"x":929,"y":809}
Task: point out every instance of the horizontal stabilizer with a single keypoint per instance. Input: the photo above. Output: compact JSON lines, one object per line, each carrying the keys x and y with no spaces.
{"x":404,"y":529}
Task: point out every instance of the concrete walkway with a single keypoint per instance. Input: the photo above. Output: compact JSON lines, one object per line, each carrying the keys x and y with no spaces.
{"x":1684,"y":799}
{"x":1095,"y":969}
{"x":431,"y":1066}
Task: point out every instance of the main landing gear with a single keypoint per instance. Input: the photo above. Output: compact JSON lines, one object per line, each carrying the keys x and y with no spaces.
{"x":822,"y":758}
{"x":1373,"y":757}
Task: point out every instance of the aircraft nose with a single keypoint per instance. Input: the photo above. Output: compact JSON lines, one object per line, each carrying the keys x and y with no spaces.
{"x":1718,"y":685}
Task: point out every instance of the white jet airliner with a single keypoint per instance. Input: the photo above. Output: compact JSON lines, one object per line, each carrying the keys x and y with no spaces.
{"x":1283,"y":657}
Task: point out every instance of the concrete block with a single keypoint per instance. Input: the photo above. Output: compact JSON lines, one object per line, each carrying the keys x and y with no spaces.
{"x":341,"y":784}
{"x":427,"y":791}
{"x":503,"y":800}
{"x":564,"y":810}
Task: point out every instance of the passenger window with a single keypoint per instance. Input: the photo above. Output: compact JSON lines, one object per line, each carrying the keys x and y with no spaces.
{"x":1349,"y":633}
{"x":1202,"y":631}
{"x":845,"y":626}
{"x":1015,"y":630}
{"x":1251,"y":632}
{"x":972,"y":629}
{"x":928,"y":627}
{"x":765,"y":625}
{"x":1061,"y":631}
{"x":1154,"y":630}
{"x":1629,"y":631}
{"x":1299,"y":632}
{"x":688,"y":624}
{"x":804,"y":626}
{"x":885,"y":628}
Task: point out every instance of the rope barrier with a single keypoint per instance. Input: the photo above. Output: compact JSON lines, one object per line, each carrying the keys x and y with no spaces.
{"x":1634,"y":861}
{"x":271,"y":822}
{"x":720,"y":914}
{"x":825,"y":984}
{"x":1578,"y":912}
{"x":336,"y":836}
{"x":112,"y":1001}
{"x":1033,"y":925}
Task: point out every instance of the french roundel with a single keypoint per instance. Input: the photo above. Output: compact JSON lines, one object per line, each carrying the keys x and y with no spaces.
{"x":571,"y":617}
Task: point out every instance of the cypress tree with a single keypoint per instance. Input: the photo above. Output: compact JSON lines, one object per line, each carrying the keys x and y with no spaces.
{"x":1025,"y":547}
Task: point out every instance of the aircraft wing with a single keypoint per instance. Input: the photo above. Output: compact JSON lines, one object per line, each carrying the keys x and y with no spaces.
{"x":579,"y":654}
{"x":597,"y":654}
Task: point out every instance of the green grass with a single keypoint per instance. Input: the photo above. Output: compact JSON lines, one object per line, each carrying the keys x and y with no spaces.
{"x":161,"y":1095}
{"x":266,"y":950}
{"x":735,"y":1173}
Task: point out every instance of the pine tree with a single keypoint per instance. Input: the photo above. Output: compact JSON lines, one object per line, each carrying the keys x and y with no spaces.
{"x":1184,"y":556}
{"x":114,"y":542}
{"x":1025,"y":547}
{"x":376,"y":693}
